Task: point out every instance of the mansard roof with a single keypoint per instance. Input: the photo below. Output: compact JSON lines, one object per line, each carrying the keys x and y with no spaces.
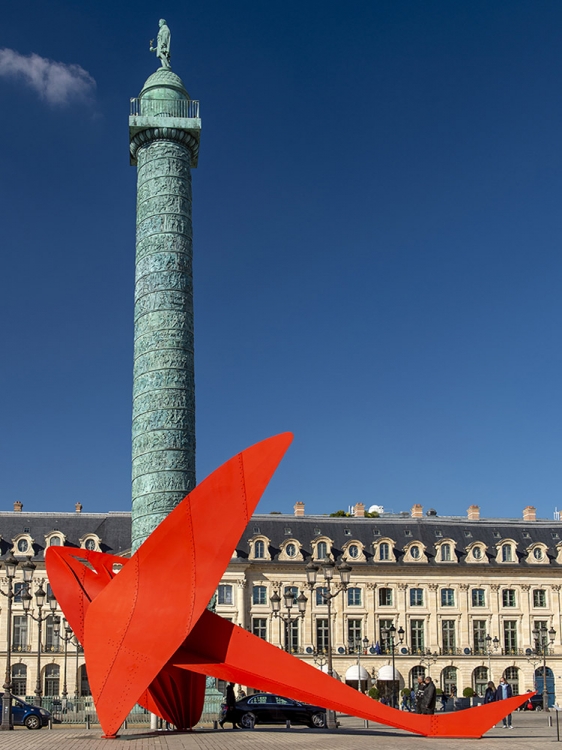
{"x":429,"y":531}
{"x":114,"y":529}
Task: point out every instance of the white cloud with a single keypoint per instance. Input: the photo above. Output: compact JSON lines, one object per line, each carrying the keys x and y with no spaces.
{"x":55,"y":82}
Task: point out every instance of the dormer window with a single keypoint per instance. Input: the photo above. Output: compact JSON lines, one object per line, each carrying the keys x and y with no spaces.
{"x":91,"y":542}
{"x":55,"y":541}
{"x":291,"y":550}
{"x":415,"y":552}
{"x":22,"y":545}
{"x":353,"y":551}
{"x":384,"y":551}
{"x":477,"y":553}
{"x":259,"y":550}
{"x":538,"y":553}
{"x":322,"y":550}
{"x":507,"y":553}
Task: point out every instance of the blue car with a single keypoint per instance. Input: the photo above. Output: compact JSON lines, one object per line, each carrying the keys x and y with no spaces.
{"x":26,"y":715}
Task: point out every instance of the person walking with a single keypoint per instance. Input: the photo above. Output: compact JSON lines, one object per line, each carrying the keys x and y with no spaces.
{"x":420,"y":687}
{"x":429,"y":696}
{"x":504,"y":691}
{"x":490,"y":694}
{"x":230,"y":715}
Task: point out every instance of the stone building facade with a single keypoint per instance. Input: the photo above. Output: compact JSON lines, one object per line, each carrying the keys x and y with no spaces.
{"x":466,"y":592}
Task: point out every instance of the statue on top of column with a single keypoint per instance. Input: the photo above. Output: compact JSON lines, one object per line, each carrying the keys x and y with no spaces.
{"x":162,"y":48}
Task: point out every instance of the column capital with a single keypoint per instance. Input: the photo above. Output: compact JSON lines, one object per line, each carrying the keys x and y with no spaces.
{"x":149,"y":135}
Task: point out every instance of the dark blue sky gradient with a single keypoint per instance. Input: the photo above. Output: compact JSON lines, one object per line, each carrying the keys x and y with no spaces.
{"x":377,"y":250}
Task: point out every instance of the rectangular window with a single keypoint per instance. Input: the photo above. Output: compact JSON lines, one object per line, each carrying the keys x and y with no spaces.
{"x":449,"y":639}
{"x":321,"y":593}
{"x":478,"y":598}
{"x":479,"y":636}
{"x":416,"y":597}
{"x":259,"y":627}
{"x":354,"y":597}
{"x":508,"y":597}
{"x":291,"y":637}
{"x":384,"y":551}
{"x":19,"y":635}
{"x":19,"y":589}
{"x":259,"y":595}
{"x":447,"y":598}
{"x":539,"y":598}
{"x":51,"y":640}
{"x":510,"y":636}
{"x":224,"y":594}
{"x":446,"y":552}
{"x":417,"y":636}
{"x":385,"y":597}
{"x":384,"y":627}
{"x":354,"y":635}
{"x":321,"y":634}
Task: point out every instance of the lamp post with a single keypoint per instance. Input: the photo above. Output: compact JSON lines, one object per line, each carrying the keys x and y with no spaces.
{"x":327,"y":594}
{"x":541,"y":648}
{"x":288,"y":620}
{"x":356,"y":645}
{"x":76,"y":689}
{"x":491,"y":642}
{"x":428,"y":659}
{"x":66,"y":637}
{"x":40,"y":598}
{"x":10,"y":566}
{"x":390,"y":634}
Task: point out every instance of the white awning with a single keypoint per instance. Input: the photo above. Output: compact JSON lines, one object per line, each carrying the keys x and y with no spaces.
{"x":325,"y":669}
{"x":385,"y":673}
{"x":356,"y":673}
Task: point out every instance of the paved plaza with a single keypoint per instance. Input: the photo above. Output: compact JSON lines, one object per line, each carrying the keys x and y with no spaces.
{"x":531,"y":731}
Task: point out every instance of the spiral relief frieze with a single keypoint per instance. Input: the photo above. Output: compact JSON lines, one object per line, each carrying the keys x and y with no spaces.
{"x":163,"y":377}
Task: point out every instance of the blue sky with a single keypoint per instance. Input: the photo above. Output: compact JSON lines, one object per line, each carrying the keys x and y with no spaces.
{"x":377,"y":248}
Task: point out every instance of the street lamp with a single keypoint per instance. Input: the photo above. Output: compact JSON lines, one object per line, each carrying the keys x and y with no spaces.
{"x":328,"y":568}
{"x":66,"y":637}
{"x":541,"y":647}
{"x":491,"y":642}
{"x":10,"y":566}
{"x":428,"y":658}
{"x":40,"y":598}
{"x":390,"y":634}
{"x":288,"y":620}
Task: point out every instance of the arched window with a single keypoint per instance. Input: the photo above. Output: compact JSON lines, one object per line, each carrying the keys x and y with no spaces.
{"x":353,"y":551}
{"x":354,"y":597}
{"x":52,"y":679}
{"x":507,"y":553}
{"x":385,"y":597}
{"x":384,"y":551}
{"x":90,"y":544}
{"x":416,"y":672}
{"x":321,"y":551}
{"x":84,"y":682}
{"x":415,"y":552}
{"x":538,"y":553}
{"x":416,"y":597}
{"x":291,"y":550}
{"x":477,"y":553}
{"x":259,"y":550}
{"x":445,"y":552}
{"x":511,"y":674}
{"x":449,"y":680}
{"x":55,"y":541}
{"x":480,"y":680}
{"x":259,"y":595}
{"x":19,"y":679}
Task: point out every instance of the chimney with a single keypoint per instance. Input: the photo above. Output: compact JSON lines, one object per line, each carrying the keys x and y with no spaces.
{"x":417,"y":511}
{"x":530,"y":513}
{"x":359,"y":510}
{"x":18,"y":506}
{"x":299,"y":508}
{"x":473,"y":512}
{"x":78,"y":507}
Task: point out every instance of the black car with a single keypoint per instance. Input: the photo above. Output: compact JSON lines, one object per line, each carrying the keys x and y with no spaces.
{"x":535,"y":701}
{"x":264,"y":708}
{"x":26,"y":715}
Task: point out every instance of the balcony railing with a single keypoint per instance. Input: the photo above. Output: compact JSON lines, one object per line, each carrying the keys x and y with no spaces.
{"x":164,"y":108}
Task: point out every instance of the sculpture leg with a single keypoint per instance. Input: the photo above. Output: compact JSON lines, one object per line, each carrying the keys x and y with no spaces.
{"x":217,"y":647}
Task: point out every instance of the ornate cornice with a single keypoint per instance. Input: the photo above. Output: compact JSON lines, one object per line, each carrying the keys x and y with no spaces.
{"x":145,"y":137}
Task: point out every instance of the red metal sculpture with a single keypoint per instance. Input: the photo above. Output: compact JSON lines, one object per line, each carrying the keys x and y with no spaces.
{"x":171,"y":578}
